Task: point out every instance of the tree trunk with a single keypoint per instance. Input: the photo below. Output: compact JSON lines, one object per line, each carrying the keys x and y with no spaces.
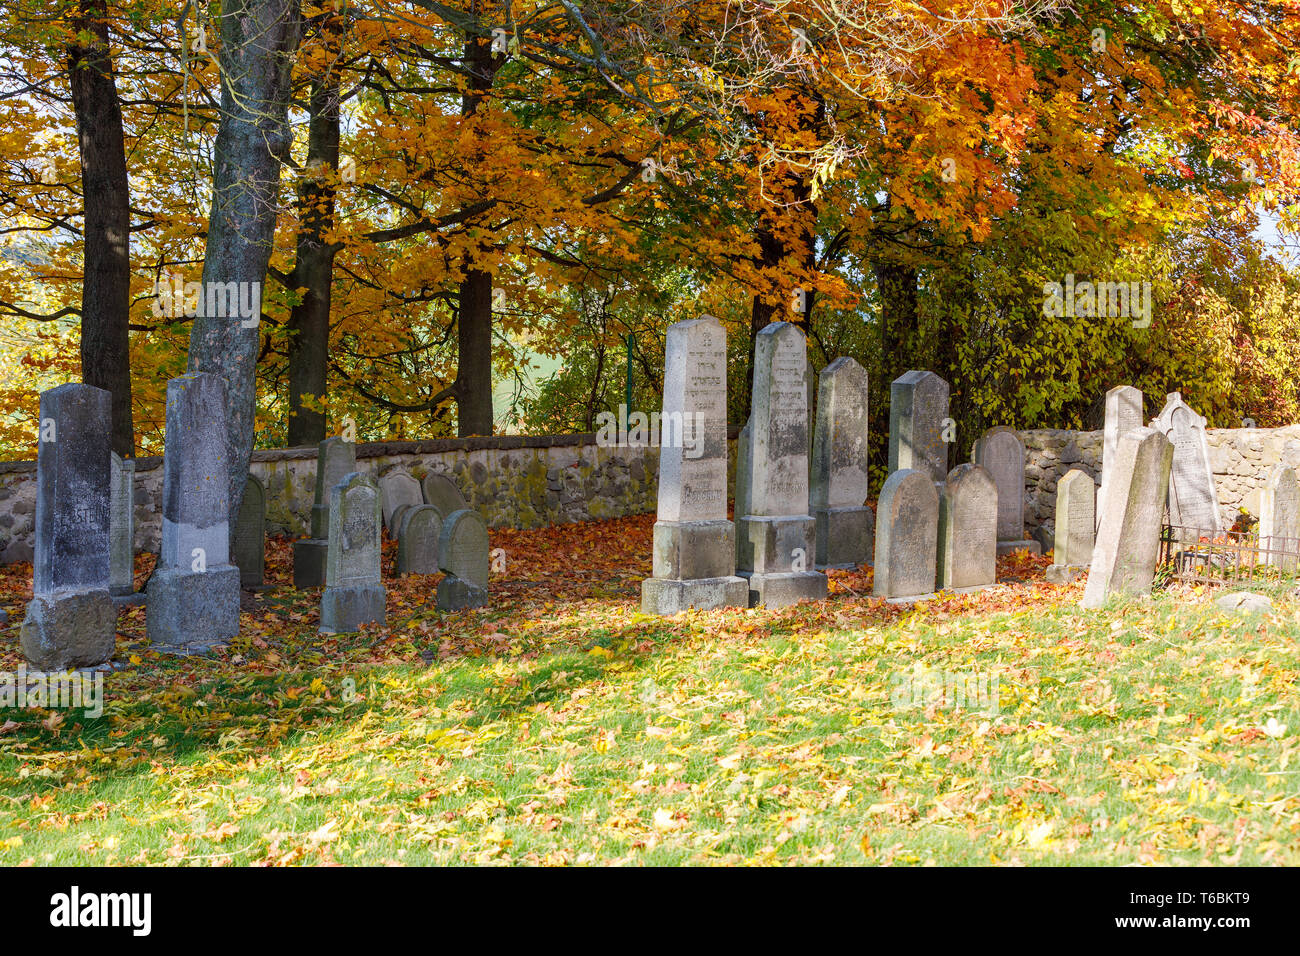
{"x":309,"y":322}
{"x":474,"y":321}
{"x":258,"y":39}
{"x":898,"y":315}
{"x":106,"y":287}
{"x":474,"y":348}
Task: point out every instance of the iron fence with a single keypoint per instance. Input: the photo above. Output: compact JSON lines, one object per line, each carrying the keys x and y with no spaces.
{"x":1210,"y":556}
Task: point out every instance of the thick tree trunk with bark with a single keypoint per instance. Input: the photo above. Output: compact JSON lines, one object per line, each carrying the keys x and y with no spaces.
{"x":258,"y":39}
{"x":474,"y":321}
{"x":106,"y":287}
{"x":309,"y":322}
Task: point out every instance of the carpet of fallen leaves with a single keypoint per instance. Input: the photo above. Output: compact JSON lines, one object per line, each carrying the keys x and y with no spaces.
{"x":561,"y":726}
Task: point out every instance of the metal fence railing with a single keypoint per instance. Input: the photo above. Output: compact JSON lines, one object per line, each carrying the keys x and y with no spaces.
{"x":1209,"y":556}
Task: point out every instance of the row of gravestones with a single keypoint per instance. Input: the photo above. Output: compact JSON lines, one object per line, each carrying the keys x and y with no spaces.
{"x":83,"y":553}
{"x":933,"y":526}
{"x":434,"y":527}
{"x":795,"y":518}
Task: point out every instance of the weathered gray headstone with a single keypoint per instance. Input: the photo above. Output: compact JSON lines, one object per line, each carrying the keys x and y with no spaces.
{"x":1279,"y":517}
{"x":1076,"y":524}
{"x":1123,"y":414}
{"x":71,"y":619}
{"x":1193,"y":501}
{"x":968,"y":529}
{"x":398,"y":488}
{"x":693,"y":563}
{"x":907,"y":537}
{"x":193,"y":600}
{"x":1001,"y":452}
{"x":441,"y":492}
{"x":121,"y":572}
{"x":776,"y":536}
{"x":840,"y":484}
{"x":463,"y":554}
{"x":250,"y":534}
{"x":354,"y":594}
{"x":1128,"y":535}
{"x":335,"y":458}
{"x":418,"y":530}
{"x":918,"y":409}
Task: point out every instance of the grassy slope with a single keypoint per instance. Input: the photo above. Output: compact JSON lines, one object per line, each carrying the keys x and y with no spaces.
{"x":560,"y":726}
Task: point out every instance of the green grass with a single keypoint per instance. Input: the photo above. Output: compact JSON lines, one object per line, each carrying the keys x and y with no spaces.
{"x":579,"y":731}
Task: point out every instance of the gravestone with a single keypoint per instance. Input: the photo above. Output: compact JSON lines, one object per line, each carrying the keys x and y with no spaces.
{"x":463,"y":554}
{"x":193,"y":601}
{"x":918,"y":409}
{"x":775,"y":536}
{"x":1128,"y":535}
{"x":335,"y":458}
{"x":121,"y":564}
{"x":441,"y":492}
{"x":71,"y":619}
{"x":1279,"y":517}
{"x":418,"y":529}
{"x":1076,"y":524}
{"x":742,"y":476}
{"x":1193,"y":501}
{"x":839,"y":484}
{"x":354,"y":594}
{"x":398,"y":489}
{"x":968,"y":530}
{"x":1001,"y":452}
{"x":907,"y":537}
{"x":250,"y":535}
{"x":1123,"y":414}
{"x":693,"y":563}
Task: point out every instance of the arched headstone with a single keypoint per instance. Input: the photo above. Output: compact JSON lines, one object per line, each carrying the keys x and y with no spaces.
{"x":464,"y":555}
{"x":441,"y":492}
{"x":354,"y":594}
{"x":968,"y":526}
{"x":418,"y":531}
{"x":907,"y":537}
{"x":250,"y":534}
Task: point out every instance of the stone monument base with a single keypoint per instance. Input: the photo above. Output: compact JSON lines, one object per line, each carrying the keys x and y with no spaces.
{"x":309,"y":562}
{"x":845,"y":537}
{"x":193,"y":609}
{"x":785,"y":587}
{"x":693,"y":550}
{"x":128,"y":599}
{"x":667,"y":596}
{"x":345,"y":609}
{"x":912,"y":599}
{"x":457,"y":594}
{"x":1009,"y":547}
{"x":69,"y":628}
{"x":1063,"y":573}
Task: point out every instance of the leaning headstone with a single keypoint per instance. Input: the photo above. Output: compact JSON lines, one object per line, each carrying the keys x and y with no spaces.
{"x":840,"y":484}
{"x":354,"y":593}
{"x":71,"y":619}
{"x":250,"y":535}
{"x":1279,"y":517}
{"x":775,"y":536}
{"x":334,"y":459}
{"x":441,"y":492}
{"x":1128,"y":535}
{"x":907,"y":537}
{"x":1076,"y":524}
{"x":193,"y":600}
{"x":463,"y":554}
{"x":121,"y":570}
{"x":398,"y":489}
{"x":918,"y":411}
{"x":1002,"y":453}
{"x":693,"y":563}
{"x":968,"y":530}
{"x":1123,"y":414}
{"x":417,"y":540}
{"x":1193,"y":501}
